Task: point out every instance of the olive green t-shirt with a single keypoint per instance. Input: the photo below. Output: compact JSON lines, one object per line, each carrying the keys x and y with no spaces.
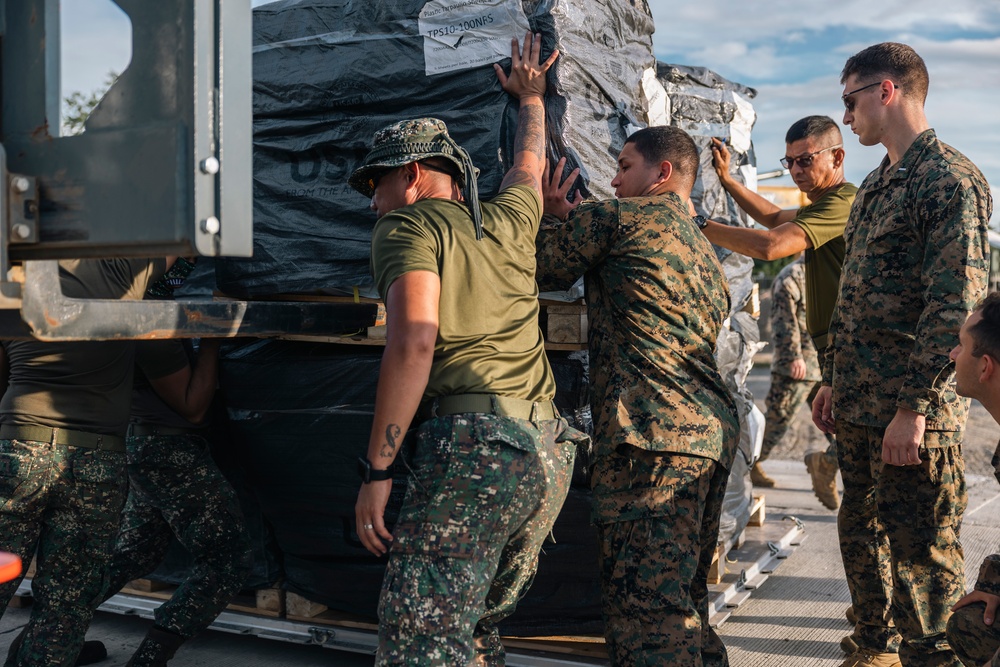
{"x":488,"y":337}
{"x":155,"y":359}
{"x":83,"y":386}
{"x":823,"y":222}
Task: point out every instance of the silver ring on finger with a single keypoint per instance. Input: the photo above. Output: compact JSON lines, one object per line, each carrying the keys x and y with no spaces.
{"x":369,"y":526}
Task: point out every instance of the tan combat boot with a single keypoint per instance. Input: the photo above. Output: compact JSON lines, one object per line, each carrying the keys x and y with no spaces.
{"x":866,"y":658}
{"x":824,"y":479}
{"x":759,"y":477}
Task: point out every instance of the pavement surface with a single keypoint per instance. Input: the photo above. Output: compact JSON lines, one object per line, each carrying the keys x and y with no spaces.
{"x":795,"y":618}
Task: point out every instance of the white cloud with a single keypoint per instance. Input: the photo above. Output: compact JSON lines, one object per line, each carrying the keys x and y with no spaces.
{"x":793,"y":57}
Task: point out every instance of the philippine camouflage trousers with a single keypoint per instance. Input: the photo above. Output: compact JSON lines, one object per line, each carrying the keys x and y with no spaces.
{"x":483,"y":495}
{"x":176,"y":490}
{"x":65,"y":502}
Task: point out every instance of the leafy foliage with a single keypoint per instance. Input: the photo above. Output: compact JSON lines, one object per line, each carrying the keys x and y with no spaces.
{"x":78,"y":106}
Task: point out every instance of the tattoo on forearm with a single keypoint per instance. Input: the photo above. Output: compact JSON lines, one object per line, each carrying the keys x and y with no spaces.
{"x":392,"y":433}
{"x":531,"y":131}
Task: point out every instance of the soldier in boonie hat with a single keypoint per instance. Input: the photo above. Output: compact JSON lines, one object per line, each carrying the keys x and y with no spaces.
{"x":412,"y":141}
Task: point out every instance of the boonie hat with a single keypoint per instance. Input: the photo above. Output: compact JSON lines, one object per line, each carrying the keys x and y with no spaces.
{"x":413,"y":140}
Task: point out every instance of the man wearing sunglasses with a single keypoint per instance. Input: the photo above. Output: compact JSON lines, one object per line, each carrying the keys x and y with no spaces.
{"x":916,"y":264}
{"x":814,"y":155}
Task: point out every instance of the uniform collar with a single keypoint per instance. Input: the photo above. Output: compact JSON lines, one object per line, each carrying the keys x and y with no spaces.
{"x":911,"y":158}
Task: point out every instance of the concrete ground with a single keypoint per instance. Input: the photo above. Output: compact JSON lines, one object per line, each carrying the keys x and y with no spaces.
{"x":794,"y":618}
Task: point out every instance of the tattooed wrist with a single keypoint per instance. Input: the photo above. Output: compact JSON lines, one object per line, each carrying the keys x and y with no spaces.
{"x":391,"y":444}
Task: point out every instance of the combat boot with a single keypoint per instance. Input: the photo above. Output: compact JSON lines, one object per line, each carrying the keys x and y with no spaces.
{"x":824,"y":479}
{"x":866,"y":658}
{"x":156,"y":649}
{"x":852,"y":618}
{"x":848,"y":645}
{"x":759,"y":478}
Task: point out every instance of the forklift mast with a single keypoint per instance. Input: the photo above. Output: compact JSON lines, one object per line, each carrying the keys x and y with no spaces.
{"x":163,"y":168}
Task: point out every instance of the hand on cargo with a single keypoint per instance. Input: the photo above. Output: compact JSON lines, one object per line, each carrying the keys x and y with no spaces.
{"x":721,"y":159}
{"x":527,"y":76}
{"x":560,"y":198}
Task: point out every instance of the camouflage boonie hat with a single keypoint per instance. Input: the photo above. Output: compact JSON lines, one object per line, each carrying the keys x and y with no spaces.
{"x":410,"y":141}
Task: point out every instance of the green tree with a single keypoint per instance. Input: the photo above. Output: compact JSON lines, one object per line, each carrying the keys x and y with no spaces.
{"x":77,"y":106}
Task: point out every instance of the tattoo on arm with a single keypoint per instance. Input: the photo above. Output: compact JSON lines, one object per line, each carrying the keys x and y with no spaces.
{"x":530,"y":139}
{"x":392,"y":433}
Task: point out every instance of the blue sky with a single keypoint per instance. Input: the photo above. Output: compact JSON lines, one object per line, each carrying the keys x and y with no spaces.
{"x":790,"y":51}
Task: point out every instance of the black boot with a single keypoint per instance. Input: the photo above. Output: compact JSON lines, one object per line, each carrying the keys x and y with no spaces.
{"x":156,"y":649}
{"x":92,"y":651}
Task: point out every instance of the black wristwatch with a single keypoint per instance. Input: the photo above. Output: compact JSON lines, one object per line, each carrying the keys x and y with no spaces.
{"x":700,"y":220}
{"x":369,"y":474}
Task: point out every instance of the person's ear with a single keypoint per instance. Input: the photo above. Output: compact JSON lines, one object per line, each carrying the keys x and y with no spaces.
{"x":666,"y":171}
{"x":838,"y":157}
{"x":988,"y":369}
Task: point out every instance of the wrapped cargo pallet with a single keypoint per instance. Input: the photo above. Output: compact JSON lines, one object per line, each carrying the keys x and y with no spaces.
{"x":300,"y":449}
{"x":329,"y":73}
{"x":706,"y":105}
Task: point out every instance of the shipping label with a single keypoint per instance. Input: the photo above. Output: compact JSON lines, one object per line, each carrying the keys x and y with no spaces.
{"x":462,"y":34}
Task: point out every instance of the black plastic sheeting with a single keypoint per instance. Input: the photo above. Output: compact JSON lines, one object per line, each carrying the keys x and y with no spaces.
{"x":299,"y":450}
{"x":328,"y":74}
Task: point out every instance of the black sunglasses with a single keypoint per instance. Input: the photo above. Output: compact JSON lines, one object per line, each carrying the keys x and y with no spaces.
{"x":849,"y":102}
{"x":804,"y":160}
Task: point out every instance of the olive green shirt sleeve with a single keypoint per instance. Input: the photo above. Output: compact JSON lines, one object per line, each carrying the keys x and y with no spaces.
{"x":160,"y":358}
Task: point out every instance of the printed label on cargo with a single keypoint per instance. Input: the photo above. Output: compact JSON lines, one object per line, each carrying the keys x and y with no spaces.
{"x":462,"y":34}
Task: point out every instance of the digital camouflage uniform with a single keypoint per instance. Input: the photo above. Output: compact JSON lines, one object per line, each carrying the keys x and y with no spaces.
{"x":63,"y":502}
{"x":665,"y":425}
{"x":485,"y":486}
{"x":916,"y":265}
{"x":483,"y":496}
{"x":976,"y":643}
{"x":790,"y":340}
{"x":176,"y":490}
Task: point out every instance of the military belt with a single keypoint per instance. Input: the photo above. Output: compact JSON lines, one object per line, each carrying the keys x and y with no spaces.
{"x":63,"y":436}
{"x":140,"y":430}
{"x":490,"y":404}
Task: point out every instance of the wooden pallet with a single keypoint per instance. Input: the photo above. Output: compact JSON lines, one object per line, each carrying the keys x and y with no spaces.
{"x":268,"y":602}
{"x":757,"y":517}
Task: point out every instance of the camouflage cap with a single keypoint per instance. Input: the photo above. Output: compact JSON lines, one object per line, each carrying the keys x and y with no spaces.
{"x":413,"y":140}
{"x":404,"y":142}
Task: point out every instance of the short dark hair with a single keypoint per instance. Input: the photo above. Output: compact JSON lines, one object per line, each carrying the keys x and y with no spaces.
{"x":986,"y":332}
{"x":892,"y":60}
{"x":812,"y":126}
{"x":668,"y":143}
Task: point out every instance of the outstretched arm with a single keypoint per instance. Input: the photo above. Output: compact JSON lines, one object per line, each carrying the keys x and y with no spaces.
{"x":526,"y":82}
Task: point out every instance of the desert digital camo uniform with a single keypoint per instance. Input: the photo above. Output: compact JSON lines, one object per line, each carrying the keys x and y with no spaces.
{"x":64,"y":501}
{"x":916,"y":265}
{"x":485,"y":488}
{"x":666,"y":427}
{"x":790,"y":341}
{"x":973,"y":641}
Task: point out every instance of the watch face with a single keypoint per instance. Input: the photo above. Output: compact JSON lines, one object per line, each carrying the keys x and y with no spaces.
{"x":364,"y":469}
